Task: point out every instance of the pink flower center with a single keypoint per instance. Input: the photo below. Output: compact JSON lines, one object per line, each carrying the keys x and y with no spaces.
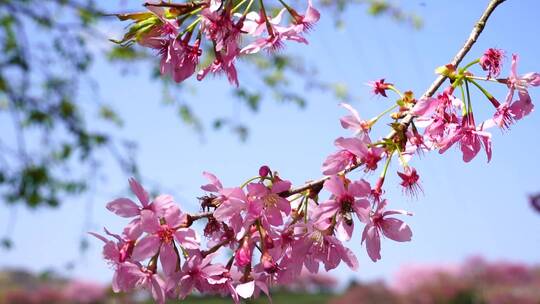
{"x":166,"y":234}
{"x":377,"y":219}
{"x":346,"y":203}
{"x":371,"y":160}
{"x":271,"y":200}
{"x":168,"y":29}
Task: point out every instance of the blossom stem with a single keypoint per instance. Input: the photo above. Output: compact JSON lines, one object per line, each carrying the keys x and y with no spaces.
{"x":289,"y":9}
{"x":238,"y":5}
{"x":215,"y":248}
{"x":190,"y":27}
{"x":400,"y":155}
{"x":267,"y":22}
{"x":387,"y":164}
{"x":470,"y":64}
{"x":306,"y":203}
{"x":261,"y":235}
{"x":246,"y":10}
{"x":252,"y":179}
{"x":490,"y":97}
{"x":373,"y":121}
{"x":464,"y":109}
{"x":392,"y":88}
{"x":469,"y":103}
{"x":498,"y":80}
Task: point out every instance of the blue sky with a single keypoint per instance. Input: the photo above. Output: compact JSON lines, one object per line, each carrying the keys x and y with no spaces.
{"x":466,"y":209}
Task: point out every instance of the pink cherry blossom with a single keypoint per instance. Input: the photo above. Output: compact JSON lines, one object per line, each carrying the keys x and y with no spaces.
{"x":223,"y":63}
{"x":231,"y":201}
{"x":268,"y":203}
{"x":392,"y":228}
{"x":161,"y":238}
{"x":425,"y":106}
{"x":510,"y":111}
{"x":409,"y":181}
{"x":305,"y":22}
{"x":314,"y":246}
{"x":116,"y":252}
{"x":470,"y":138}
{"x":276,"y":34}
{"x":347,"y":198}
{"x":353,"y":150}
{"x":198,"y":273}
{"x":260,"y":282}
{"x":353,"y":122}
{"x":131,"y":276}
{"x":125,"y":207}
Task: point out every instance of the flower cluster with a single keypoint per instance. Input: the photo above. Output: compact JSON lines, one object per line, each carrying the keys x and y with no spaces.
{"x":179,"y":32}
{"x":273,"y":232}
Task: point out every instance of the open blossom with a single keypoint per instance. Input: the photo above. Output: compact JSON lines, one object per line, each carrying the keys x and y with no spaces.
{"x":512,"y":110}
{"x":521,"y":83}
{"x":491,"y":62}
{"x":198,"y":273}
{"x":225,"y":34}
{"x":392,"y":228}
{"x":223,"y":63}
{"x":257,"y":24}
{"x":305,"y":22}
{"x":125,"y":207}
{"x":230,"y":201}
{"x":267,"y":202}
{"x":353,"y":150}
{"x":131,"y":276}
{"x":347,"y":198}
{"x":353,"y":122}
{"x":116,"y":252}
{"x":470,"y":139}
{"x":179,"y":59}
{"x":163,"y":235}
{"x":311,"y":247}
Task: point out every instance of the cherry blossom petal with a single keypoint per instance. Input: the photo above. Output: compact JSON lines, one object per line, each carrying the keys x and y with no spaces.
{"x":246,"y":290}
{"x":123,"y":207}
{"x":168,"y":258}
{"x":396,"y":230}
{"x":187,"y":238}
{"x":215,"y":184}
{"x":145,"y":248}
{"x":373,"y":242}
{"x":139,"y":191}
{"x":359,"y":188}
{"x":335,"y":186}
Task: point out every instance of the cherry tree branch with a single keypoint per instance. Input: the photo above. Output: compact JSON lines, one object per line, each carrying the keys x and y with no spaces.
{"x":406,"y":121}
{"x":316,"y":185}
